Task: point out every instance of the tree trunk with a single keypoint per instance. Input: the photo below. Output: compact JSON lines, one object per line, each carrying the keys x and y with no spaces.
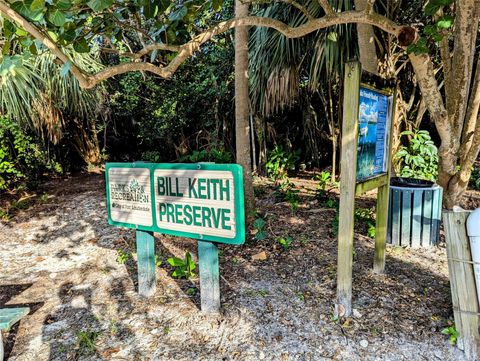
{"x":366,"y":42}
{"x":242,"y":108}
{"x":456,"y":117}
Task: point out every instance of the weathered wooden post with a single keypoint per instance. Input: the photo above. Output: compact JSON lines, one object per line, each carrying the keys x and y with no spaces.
{"x":209,"y":276}
{"x":348,"y":169}
{"x":462,"y":283}
{"x":365,"y":165}
{"x":145,"y":242}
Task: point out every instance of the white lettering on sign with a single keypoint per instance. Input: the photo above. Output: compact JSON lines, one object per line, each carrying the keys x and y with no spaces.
{"x":195,"y":201}
{"x":130,"y":196}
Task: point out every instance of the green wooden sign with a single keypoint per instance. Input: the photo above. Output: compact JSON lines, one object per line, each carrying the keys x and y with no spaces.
{"x":201,"y":201}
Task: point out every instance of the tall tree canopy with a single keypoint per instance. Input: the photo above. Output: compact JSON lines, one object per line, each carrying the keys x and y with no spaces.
{"x":158,"y":36}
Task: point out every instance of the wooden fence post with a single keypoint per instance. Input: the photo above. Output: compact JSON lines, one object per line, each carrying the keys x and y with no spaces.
{"x":462,"y":283}
{"x":146,"y":263}
{"x":348,"y":162}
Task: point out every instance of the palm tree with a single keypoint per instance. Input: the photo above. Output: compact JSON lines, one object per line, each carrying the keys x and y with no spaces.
{"x":283,"y":69}
{"x":39,"y":94}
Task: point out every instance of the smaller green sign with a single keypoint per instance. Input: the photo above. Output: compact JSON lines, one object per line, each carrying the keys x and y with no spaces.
{"x":202,"y":201}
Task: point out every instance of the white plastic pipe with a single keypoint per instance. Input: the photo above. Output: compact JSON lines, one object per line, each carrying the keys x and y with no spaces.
{"x":473,"y":231}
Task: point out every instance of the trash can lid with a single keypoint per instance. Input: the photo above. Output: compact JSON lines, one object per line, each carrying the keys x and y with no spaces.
{"x":410,"y":182}
{"x":473,"y":223}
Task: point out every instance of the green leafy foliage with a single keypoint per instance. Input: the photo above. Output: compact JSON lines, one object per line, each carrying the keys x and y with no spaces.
{"x":419,"y":159}
{"x":366,"y":216}
{"x":475,"y":179}
{"x":280,"y":162}
{"x":187,"y":118}
{"x":79,"y":23}
{"x":123,"y":256}
{"x":324,"y":189}
{"x":285,"y":242}
{"x":158,"y":260}
{"x":183,"y":268}
{"x":21,"y":158}
{"x":287,"y":192}
{"x":260,"y":229}
{"x":324,"y":179}
{"x":437,"y":30}
{"x":452,"y":332}
{"x":212,"y":154}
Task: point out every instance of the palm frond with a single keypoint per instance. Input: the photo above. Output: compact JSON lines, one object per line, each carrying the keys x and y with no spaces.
{"x":36,"y":94}
{"x":312,"y":59}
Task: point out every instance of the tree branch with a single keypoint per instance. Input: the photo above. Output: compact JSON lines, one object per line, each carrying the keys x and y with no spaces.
{"x":298,"y":6}
{"x":186,"y":50}
{"x":325,"y":5}
{"x":471,"y":131}
{"x":45,"y":40}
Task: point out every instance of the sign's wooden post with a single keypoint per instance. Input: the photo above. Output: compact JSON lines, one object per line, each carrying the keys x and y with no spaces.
{"x":146,"y":263}
{"x":347,"y":187}
{"x":209,"y":276}
{"x":368,"y":103}
{"x":381,"y":229}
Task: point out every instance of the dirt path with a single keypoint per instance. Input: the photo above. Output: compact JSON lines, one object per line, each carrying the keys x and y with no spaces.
{"x":60,"y":259}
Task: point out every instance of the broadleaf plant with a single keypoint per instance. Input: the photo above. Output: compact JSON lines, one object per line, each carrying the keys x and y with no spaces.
{"x":183,"y":268}
{"x":418,"y":159}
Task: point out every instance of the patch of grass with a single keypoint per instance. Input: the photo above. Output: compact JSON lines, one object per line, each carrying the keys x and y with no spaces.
{"x":4,"y":215}
{"x":167,"y":330}
{"x":123,"y":256}
{"x":191,"y":291}
{"x":86,"y":341}
{"x":255,"y":293}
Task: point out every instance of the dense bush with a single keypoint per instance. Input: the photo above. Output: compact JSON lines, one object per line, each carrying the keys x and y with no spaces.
{"x":280,"y":162}
{"x":475,"y":179}
{"x":21,"y":158}
{"x":166,"y":120}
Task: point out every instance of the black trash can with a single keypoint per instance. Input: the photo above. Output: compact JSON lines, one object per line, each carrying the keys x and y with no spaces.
{"x":415,"y":211}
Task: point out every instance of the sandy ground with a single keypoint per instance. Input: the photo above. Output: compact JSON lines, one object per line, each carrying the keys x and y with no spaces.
{"x":60,"y":258}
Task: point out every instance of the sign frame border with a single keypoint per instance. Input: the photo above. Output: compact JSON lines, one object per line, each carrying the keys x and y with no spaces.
{"x":390,"y":94}
{"x":239,"y":204}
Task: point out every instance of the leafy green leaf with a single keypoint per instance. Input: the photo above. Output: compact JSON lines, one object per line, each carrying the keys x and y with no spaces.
{"x":175,"y":262}
{"x":99,"y":5}
{"x":63,"y":4}
{"x":37,"y":5}
{"x":178,"y":14}
{"x":56,"y":17}
{"x":81,"y":46}
{"x":23,"y":8}
{"x":445,"y":22}
{"x":217,"y":4}
{"x":8,"y":28}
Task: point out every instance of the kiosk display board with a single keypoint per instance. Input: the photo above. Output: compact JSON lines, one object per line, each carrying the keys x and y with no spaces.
{"x":374,"y":117}
{"x":202,"y":201}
